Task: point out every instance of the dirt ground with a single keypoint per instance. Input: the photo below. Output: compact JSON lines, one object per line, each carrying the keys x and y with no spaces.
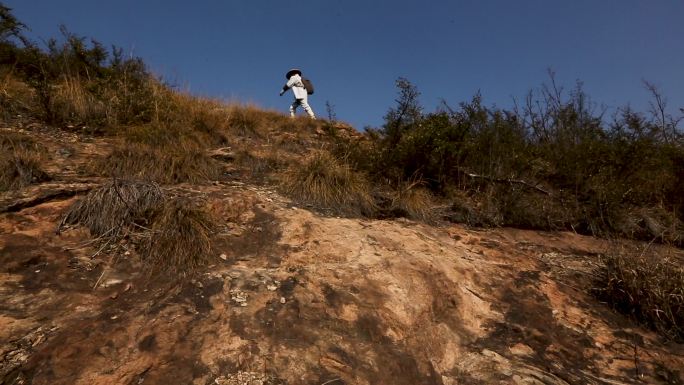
{"x":295,"y":297}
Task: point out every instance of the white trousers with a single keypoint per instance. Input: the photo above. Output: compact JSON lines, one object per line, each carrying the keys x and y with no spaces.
{"x":305,"y":105}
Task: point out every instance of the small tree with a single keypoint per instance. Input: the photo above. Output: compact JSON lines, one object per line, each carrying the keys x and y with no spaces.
{"x":405,"y":115}
{"x":10,"y":27}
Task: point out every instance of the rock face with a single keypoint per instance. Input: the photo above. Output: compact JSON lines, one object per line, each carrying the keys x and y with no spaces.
{"x":295,"y":297}
{"x":298,"y":298}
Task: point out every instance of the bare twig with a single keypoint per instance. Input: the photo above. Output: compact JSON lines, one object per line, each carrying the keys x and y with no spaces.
{"x":503,"y":180}
{"x":331,"y":381}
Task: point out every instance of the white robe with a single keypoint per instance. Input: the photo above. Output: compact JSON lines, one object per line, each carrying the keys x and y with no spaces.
{"x":297,"y":86}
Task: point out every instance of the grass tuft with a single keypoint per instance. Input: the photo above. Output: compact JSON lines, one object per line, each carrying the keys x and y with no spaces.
{"x":414,"y":201}
{"x":649,"y":288}
{"x":180,"y":239}
{"x":19,"y":169}
{"x":324,"y":181}
{"x":20,"y":161}
{"x":114,"y":206}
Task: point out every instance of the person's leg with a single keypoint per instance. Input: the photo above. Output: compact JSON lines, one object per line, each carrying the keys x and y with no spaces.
{"x":293,"y":108}
{"x":305,"y":105}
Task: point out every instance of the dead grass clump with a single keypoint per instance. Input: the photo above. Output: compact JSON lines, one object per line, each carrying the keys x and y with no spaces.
{"x":647,"y":287}
{"x":474,"y":210}
{"x":14,"y":141}
{"x":17,"y":99}
{"x":112,"y":207}
{"x":19,"y":169}
{"x":164,"y":165}
{"x":324,"y":181}
{"x":20,"y":161}
{"x":531,"y":209}
{"x":72,"y":102}
{"x":180,"y":239}
{"x":171,"y":234}
{"x":414,"y":201}
{"x":650,"y":223}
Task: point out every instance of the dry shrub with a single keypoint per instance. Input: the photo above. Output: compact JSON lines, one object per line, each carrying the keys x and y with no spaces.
{"x":19,"y":169}
{"x":414,"y":201}
{"x":528,"y":208}
{"x":650,"y":223}
{"x":165,"y":165}
{"x":16,"y":98}
{"x":180,"y":239}
{"x":13,"y":141}
{"x":171,"y":234}
{"x":73,"y":102}
{"x":20,"y":161}
{"x":324,"y":181}
{"x":114,"y":206}
{"x":648,"y":287}
{"x":479,"y":209}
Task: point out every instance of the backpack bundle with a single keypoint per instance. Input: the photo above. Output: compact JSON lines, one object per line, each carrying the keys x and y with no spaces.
{"x":308,"y":85}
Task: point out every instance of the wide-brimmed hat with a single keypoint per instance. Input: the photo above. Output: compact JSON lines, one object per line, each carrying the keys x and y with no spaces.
{"x":292,"y":72}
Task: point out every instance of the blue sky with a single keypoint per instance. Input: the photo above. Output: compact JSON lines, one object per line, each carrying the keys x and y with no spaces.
{"x":353,"y":50}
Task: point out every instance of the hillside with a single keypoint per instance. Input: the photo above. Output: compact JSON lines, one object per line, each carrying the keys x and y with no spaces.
{"x":149,"y":236}
{"x":298,"y":296}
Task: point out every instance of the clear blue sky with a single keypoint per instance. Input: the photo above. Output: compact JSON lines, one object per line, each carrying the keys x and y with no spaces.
{"x":354,"y":50}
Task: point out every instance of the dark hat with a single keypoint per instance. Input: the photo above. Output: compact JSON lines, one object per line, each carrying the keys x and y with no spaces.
{"x":292,"y":72}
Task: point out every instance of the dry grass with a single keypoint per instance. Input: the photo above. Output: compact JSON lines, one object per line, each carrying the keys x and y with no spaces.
{"x":185,"y":116}
{"x":646,"y":286}
{"x":19,"y":169}
{"x":251,"y":122}
{"x":15,"y":141}
{"x":20,"y":161}
{"x":260,"y":166}
{"x":16,"y":98}
{"x":474,"y":209}
{"x":164,"y":165}
{"x":171,"y":234}
{"x":113,"y":207}
{"x":180,"y":239}
{"x":414,"y":201}
{"x":73,"y":103}
{"x":326,"y":182}
{"x":650,"y":223}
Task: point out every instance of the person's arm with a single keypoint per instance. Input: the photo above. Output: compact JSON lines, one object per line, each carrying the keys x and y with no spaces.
{"x":291,"y":82}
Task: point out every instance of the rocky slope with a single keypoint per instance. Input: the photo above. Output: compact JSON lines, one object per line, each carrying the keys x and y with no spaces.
{"x":297,"y":297}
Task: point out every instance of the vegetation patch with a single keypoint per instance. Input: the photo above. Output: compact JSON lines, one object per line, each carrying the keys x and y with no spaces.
{"x":20,"y":161}
{"x":170,"y":233}
{"x":647,"y":287}
{"x":111,"y":209}
{"x":180,"y":239}
{"x":326,"y":182}
{"x":164,"y":165}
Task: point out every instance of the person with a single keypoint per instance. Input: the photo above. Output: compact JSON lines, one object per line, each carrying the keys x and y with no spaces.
{"x":294,"y":81}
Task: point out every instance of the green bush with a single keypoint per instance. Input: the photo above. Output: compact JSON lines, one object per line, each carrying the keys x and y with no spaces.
{"x":551,"y":164}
